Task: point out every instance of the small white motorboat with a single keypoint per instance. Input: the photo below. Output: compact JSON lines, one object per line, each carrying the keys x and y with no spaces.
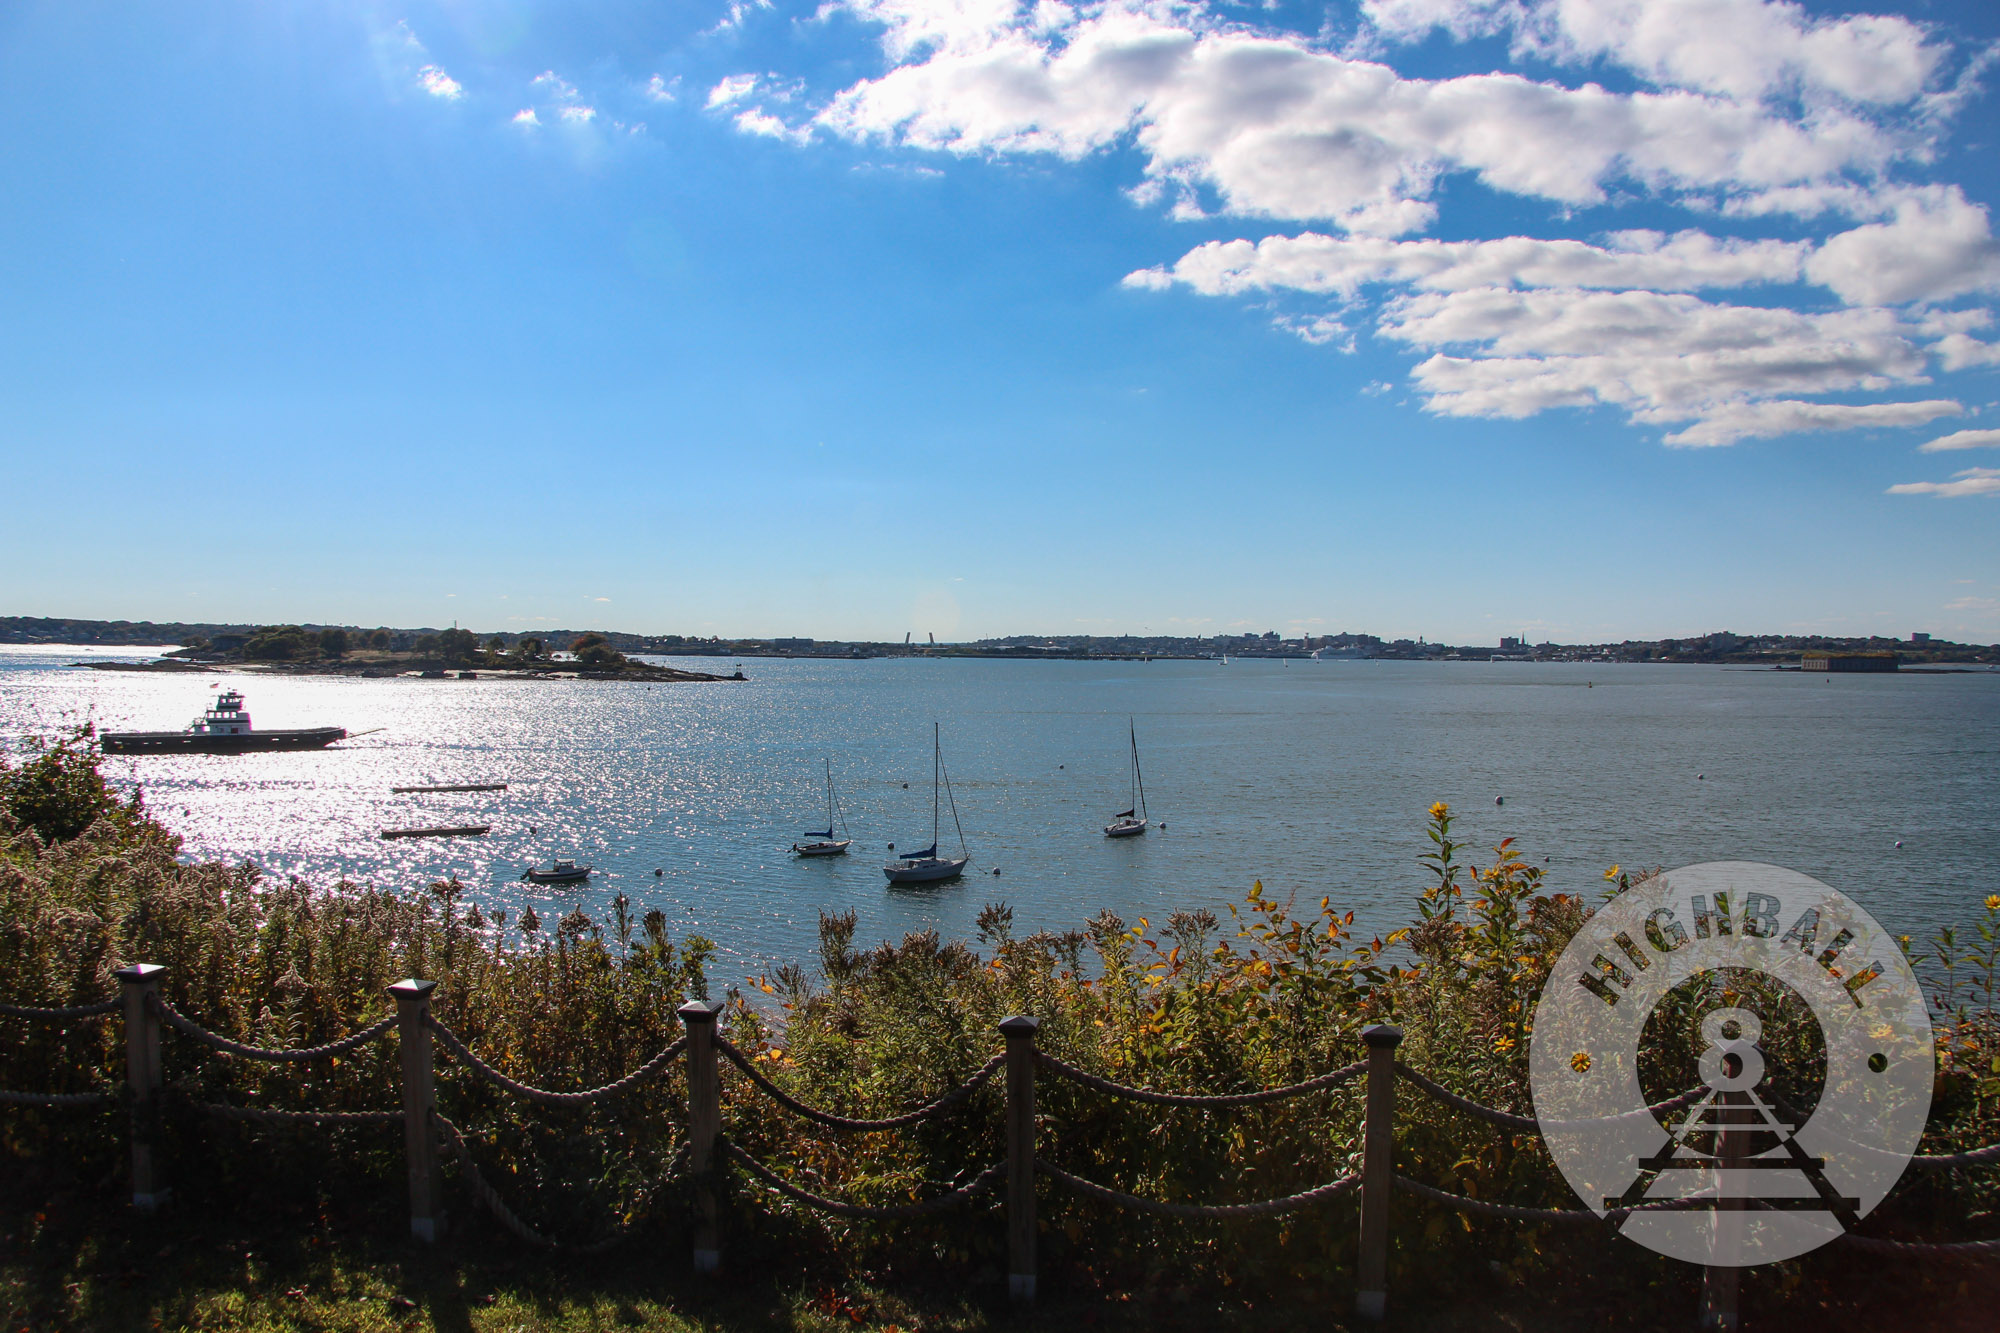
{"x":562,"y":872}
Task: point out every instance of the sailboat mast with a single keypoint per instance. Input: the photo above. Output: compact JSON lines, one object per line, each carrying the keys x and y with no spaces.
{"x":1138,"y":778}
{"x":937,"y":763}
{"x":829,"y":797}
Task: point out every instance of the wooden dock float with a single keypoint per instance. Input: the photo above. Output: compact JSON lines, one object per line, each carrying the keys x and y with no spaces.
{"x":457,"y":786}
{"x":444,"y":831}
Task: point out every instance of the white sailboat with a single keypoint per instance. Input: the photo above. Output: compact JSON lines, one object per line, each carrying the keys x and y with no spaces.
{"x":1131,"y":823}
{"x":824,"y":843}
{"x":927,"y":867}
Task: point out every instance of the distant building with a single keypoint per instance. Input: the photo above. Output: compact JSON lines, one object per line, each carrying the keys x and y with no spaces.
{"x":1510,"y":645}
{"x":1920,"y":638}
{"x":1848,"y":662}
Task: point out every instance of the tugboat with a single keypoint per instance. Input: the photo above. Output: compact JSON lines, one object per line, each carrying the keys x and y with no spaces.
{"x":223,"y":729}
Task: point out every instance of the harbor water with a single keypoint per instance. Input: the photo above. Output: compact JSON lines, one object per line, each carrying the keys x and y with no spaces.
{"x":1312,"y":777}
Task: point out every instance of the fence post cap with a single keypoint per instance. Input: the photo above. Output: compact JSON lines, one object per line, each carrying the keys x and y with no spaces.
{"x":409,"y":988}
{"x":699,"y":1011}
{"x":1382,"y":1035}
{"x":138,"y":972}
{"x":1020,"y":1025}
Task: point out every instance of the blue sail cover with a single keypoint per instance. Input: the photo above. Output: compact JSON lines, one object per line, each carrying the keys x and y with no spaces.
{"x":828,"y":835}
{"x":927,"y":854}
{"x":1127,"y":814}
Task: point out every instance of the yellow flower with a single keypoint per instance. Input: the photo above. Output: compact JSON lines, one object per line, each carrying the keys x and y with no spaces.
{"x":1503,"y":1043}
{"x":1580,"y":1062}
{"x":1440,"y":811}
{"x":1612,"y":874}
{"x":1993,"y":902}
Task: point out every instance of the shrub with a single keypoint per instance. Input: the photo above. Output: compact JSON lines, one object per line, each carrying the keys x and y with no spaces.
{"x":1274,"y":994}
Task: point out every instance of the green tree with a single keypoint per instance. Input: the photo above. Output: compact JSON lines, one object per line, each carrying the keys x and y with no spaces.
{"x":458,"y":645}
{"x":58,"y":792}
{"x":333,"y":642}
{"x":281,"y":643}
{"x":379,"y":639}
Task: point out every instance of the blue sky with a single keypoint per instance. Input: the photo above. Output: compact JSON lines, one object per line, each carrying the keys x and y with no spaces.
{"x":1448,"y":317}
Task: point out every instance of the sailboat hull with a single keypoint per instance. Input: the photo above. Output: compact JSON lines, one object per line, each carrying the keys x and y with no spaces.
{"x":1125,"y":828}
{"x":928,"y":870}
{"x":838,"y":848}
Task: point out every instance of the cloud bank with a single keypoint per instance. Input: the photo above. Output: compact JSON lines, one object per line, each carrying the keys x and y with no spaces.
{"x":1732,"y":116}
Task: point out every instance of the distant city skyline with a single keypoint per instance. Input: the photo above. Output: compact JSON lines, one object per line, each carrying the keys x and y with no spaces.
{"x":1591,"y":320}
{"x":54,"y":631}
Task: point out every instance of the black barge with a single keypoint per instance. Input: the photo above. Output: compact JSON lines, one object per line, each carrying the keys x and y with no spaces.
{"x":224,"y":729}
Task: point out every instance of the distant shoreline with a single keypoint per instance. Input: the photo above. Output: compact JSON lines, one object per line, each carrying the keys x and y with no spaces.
{"x":638,"y":671}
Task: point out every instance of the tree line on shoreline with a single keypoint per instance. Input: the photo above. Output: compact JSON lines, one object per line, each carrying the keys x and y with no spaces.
{"x":1722,"y":647}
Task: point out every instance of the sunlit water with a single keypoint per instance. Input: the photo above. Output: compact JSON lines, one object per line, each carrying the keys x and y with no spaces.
{"x":1313,"y":777}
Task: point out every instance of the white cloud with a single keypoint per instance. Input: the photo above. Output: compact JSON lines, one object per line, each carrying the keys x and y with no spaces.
{"x":1748,"y":49}
{"x":1319,"y":330}
{"x":1762,"y":420}
{"x":759,"y":122}
{"x":1962,"y":439}
{"x":1938,"y":245}
{"x":1754,"y":108}
{"x":1661,"y":357}
{"x":1280,"y":129}
{"x":1686,"y":261}
{"x":663,"y":90}
{"x":437,"y":83}
{"x":548,"y":81}
{"x":1972,"y":481}
{"x":1959,"y":351}
{"x":737,"y":12}
{"x":732,"y":89}
{"x":559,"y":97}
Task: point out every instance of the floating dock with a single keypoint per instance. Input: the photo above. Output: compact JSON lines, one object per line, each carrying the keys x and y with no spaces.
{"x":457,"y":786}
{"x":443,"y":831}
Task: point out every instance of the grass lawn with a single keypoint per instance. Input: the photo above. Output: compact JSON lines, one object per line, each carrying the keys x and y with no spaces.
{"x":69,"y":1266}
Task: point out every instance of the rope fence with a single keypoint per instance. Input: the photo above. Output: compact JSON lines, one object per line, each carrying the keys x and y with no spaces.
{"x":959,"y":1094}
{"x":215,"y":1041}
{"x":905,"y":1212}
{"x":57,"y":1099}
{"x":653,"y":1068}
{"x":1200,"y":1212}
{"x":69,"y":1013}
{"x":1334,"y":1079}
{"x":432,"y":1140}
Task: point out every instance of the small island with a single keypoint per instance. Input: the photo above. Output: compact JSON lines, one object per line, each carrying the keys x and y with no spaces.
{"x":451,"y":654}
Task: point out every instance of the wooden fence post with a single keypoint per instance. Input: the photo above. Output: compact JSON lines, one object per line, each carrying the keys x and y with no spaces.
{"x":704,"y":1082}
{"x":1378,"y":1170}
{"x":137,"y":985}
{"x":1020,"y":1034}
{"x":1719,"y":1283}
{"x":413,"y":1009}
